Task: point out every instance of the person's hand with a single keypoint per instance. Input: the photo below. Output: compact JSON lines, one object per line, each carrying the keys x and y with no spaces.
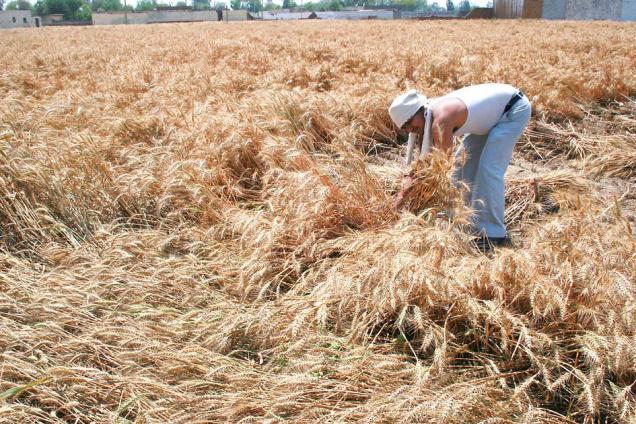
{"x":398,"y":201}
{"x":407,"y":182}
{"x":399,"y":198}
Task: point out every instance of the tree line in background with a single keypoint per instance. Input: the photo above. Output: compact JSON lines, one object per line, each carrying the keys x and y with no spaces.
{"x":459,"y":7}
{"x":81,"y":9}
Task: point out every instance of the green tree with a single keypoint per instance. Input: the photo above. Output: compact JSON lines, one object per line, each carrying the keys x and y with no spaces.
{"x":201,"y":5}
{"x":55,"y":6}
{"x":38,"y":8}
{"x":71,"y":9}
{"x":289,"y":4}
{"x":435,"y":7}
{"x":83,"y":13}
{"x":143,"y":5}
{"x":421,"y":5}
{"x":464,"y":7}
{"x":111,"y":6}
{"x":254,"y":5}
{"x":450,"y":6}
{"x":235,"y":4}
{"x":405,"y":4}
{"x":335,"y":5}
{"x":311,"y":6}
{"x":18,"y":5}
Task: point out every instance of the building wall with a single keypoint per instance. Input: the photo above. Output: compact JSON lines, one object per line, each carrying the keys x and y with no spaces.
{"x":480,"y":13}
{"x":628,"y":13}
{"x":587,"y":9}
{"x":356,"y":15}
{"x":532,"y":9}
{"x":339,"y":15}
{"x":593,"y":9}
{"x":120,"y":18}
{"x":22,"y":19}
{"x":285,"y":16}
{"x":159,"y":16}
{"x":506,"y":9}
{"x":236,"y":15}
{"x":554,"y":9}
{"x":49,"y":19}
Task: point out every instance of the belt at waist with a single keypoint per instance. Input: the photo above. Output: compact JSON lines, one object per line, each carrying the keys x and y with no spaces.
{"x":514,"y":99}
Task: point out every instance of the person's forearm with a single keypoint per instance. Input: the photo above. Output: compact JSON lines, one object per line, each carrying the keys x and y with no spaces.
{"x":443,"y":138}
{"x":410,"y":147}
{"x":406,"y":184}
{"x":447,"y":143}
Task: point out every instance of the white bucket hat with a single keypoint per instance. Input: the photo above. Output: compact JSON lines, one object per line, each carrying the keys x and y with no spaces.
{"x":405,"y":106}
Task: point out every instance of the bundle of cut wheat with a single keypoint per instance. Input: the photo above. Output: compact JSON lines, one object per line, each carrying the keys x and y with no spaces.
{"x":529,"y":197}
{"x":432,"y":187}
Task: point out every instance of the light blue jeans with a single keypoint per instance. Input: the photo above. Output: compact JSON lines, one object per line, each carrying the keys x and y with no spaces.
{"x":486,"y":160}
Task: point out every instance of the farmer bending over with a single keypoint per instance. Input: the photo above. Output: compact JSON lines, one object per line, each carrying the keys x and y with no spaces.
{"x":492,"y":117}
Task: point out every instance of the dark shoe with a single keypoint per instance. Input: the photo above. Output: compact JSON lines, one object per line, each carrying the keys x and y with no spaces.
{"x":502,"y":242}
{"x":486,"y":244}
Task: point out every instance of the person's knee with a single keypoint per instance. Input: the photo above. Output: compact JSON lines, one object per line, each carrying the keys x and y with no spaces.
{"x":492,"y":172}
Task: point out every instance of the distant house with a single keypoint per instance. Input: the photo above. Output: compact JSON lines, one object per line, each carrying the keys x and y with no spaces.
{"x":276,"y":15}
{"x":480,"y":13}
{"x":52,"y":18}
{"x":617,"y":10}
{"x":352,"y":15}
{"x":166,"y":16}
{"x":358,"y":15}
{"x":18,"y":19}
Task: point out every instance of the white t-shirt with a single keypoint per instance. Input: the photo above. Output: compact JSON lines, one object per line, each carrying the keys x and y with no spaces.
{"x":485,"y":104}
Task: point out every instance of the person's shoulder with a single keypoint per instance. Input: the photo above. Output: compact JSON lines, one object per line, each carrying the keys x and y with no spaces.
{"x":447,"y":108}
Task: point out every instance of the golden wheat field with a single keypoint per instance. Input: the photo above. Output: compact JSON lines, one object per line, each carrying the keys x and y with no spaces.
{"x":196,"y":225}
